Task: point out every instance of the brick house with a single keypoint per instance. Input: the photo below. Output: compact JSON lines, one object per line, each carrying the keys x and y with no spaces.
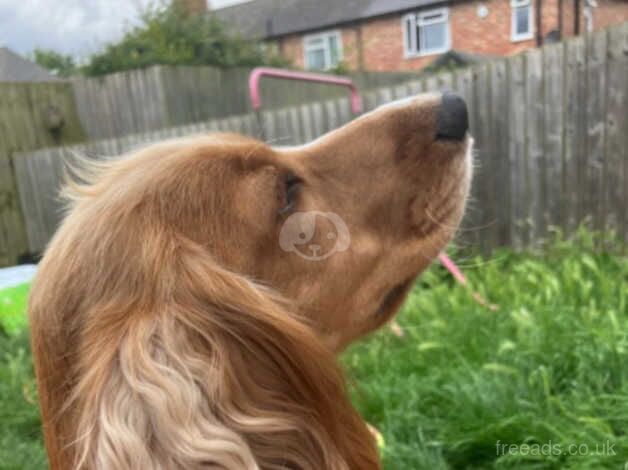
{"x":392,"y":35}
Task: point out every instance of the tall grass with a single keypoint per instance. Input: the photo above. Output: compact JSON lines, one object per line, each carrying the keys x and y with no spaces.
{"x":541,"y":383}
{"x":466,"y":387}
{"x":21,"y":445}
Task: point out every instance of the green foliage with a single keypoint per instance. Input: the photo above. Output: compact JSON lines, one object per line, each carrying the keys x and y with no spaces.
{"x":21,"y":445}
{"x":341,"y":68}
{"x":59,"y":64}
{"x":12,"y":308}
{"x":169,"y":36}
{"x":548,"y":367}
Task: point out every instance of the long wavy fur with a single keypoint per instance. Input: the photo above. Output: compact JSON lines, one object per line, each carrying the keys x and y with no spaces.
{"x":151,"y":355}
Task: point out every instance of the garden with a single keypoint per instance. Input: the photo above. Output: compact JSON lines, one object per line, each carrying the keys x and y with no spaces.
{"x":538,"y":383}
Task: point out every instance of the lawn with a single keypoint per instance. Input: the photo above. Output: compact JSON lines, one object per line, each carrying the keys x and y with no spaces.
{"x":20,"y":437}
{"x":541,"y":383}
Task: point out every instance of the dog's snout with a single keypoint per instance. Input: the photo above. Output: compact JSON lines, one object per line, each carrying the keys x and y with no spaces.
{"x":453,"y":119}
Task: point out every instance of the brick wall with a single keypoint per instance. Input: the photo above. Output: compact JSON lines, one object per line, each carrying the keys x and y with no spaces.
{"x":291,"y":47}
{"x":382,"y":38}
{"x":608,"y":12}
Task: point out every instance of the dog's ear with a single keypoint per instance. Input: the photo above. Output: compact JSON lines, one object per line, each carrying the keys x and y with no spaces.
{"x":211,"y":371}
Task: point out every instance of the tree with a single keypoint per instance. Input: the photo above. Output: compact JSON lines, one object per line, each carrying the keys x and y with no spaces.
{"x":171,"y":36}
{"x":59,"y":64}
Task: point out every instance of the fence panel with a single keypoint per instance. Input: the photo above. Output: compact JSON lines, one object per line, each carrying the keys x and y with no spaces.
{"x":550,"y":126}
{"x":157,"y":97}
{"x":32,"y":115}
{"x":554,"y":184}
{"x":595,"y":126}
{"x":616,"y":150}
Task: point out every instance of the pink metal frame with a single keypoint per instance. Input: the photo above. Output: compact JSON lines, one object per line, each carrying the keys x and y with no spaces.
{"x":259,"y":72}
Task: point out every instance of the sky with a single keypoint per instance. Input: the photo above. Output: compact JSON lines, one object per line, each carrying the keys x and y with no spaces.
{"x":77,"y":27}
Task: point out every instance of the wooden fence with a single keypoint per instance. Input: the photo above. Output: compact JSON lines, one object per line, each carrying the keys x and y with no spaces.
{"x":33,"y":115}
{"x":551,"y":130}
{"x":122,"y":104}
{"x":158,"y":97}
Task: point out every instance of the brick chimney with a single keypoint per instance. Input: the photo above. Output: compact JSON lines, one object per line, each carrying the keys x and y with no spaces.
{"x":193,"y":6}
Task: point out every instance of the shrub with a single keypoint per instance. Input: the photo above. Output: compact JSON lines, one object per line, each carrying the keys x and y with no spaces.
{"x":169,"y":36}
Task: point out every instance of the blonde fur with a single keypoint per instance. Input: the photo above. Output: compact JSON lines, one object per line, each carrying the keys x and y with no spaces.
{"x":155,"y":360}
{"x":170,"y":331}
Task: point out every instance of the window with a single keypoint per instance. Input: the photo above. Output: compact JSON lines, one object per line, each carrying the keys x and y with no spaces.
{"x":322,"y":51}
{"x":426,"y":32}
{"x":521,"y":20}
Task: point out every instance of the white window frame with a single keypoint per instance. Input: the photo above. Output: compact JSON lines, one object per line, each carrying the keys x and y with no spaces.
{"x":417,"y":20}
{"x":325,"y":35}
{"x":514,"y":5}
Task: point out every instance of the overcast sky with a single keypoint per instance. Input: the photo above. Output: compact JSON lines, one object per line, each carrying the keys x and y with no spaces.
{"x":77,"y":27}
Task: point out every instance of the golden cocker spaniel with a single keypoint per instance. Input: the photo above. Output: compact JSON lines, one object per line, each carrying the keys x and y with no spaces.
{"x":187,"y":312}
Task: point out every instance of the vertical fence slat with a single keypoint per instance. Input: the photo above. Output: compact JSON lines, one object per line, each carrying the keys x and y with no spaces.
{"x":500,"y":164}
{"x":535,"y":160}
{"x":370,"y":101}
{"x":431,"y":83}
{"x":445,"y":81}
{"x":295,"y":125}
{"x":482,"y":187}
{"x":573,"y":79}
{"x":550,"y":125}
{"x":332,"y":114}
{"x":616,"y":151}
{"x":344,"y":110}
{"x":284,"y":136}
{"x":28,"y":198}
{"x":415,"y":87}
{"x":384,"y":95}
{"x":306,"y":120}
{"x":516,"y":121}
{"x":595,"y":108}
{"x":472,"y":219}
{"x":553,"y":126}
{"x":318,"y":125}
{"x":34,"y":173}
{"x":400,"y":92}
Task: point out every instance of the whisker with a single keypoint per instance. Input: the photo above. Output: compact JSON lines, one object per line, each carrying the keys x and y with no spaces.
{"x":459,"y":229}
{"x":276,"y":140}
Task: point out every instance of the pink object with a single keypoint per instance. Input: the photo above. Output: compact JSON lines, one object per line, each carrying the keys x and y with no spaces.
{"x":259,"y":72}
{"x":452,"y":268}
{"x":458,"y":276}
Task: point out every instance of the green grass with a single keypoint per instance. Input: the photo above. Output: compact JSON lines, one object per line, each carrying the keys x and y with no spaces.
{"x":549,"y":367}
{"x":12,"y":307}
{"x":21,"y":445}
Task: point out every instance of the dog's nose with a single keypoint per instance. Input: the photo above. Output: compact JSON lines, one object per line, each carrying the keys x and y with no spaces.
{"x":453,"y":119}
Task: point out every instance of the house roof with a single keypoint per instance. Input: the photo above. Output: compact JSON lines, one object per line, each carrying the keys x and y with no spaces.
{"x":14,"y":68}
{"x":272,"y":18}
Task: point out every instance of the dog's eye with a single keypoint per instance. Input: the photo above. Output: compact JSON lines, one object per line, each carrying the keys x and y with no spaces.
{"x":292,"y":185}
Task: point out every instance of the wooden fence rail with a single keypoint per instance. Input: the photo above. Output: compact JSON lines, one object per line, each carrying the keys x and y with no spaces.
{"x":158,"y":97}
{"x":551,"y":130}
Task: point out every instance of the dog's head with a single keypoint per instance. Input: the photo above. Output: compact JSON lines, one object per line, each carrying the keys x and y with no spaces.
{"x":206,"y":271}
{"x":340,"y":227}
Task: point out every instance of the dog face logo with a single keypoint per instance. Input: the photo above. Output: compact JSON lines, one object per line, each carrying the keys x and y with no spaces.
{"x":314,"y":235}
